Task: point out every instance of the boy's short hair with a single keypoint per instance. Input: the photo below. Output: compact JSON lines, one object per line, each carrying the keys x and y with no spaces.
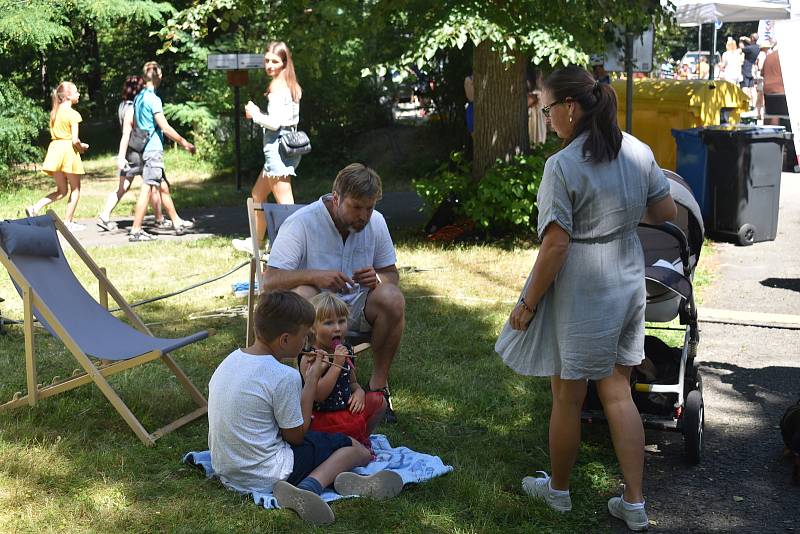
{"x":358,"y":181}
{"x":151,"y":71}
{"x":281,"y":312}
{"x":327,"y":306}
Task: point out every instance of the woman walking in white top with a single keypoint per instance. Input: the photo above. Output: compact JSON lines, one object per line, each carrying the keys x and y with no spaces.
{"x":283,"y":114}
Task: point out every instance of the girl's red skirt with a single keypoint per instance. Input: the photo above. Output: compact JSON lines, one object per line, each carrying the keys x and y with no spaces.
{"x":352,"y":424}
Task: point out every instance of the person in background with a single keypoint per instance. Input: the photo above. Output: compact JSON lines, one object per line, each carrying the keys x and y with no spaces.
{"x":469,"y":92}
{"x":750,"y":52}
{"x":282,"y":116}
{"x":731,"y":64}
{"x":775,"y":104}
{"x":129,"y":162}
{"x":63,"y":159}
{"x":703,"y":68}
{"x":537,"y":129}
{"x":764,"y":49}
{"x":149,"y":116}
{"x":599,"y":69}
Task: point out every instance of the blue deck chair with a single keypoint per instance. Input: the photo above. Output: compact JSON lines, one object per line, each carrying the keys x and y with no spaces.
{"x":53,"y":295}
{"x":275,"y":215}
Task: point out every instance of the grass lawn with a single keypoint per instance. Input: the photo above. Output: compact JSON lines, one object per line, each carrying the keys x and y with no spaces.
{"x":72,"y":465}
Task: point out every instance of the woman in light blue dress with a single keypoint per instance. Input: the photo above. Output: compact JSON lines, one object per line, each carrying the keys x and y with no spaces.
{"x":581,"y":312}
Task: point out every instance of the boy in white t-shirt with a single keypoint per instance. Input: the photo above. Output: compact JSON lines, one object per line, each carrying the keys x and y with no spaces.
{"x":259,"y":415}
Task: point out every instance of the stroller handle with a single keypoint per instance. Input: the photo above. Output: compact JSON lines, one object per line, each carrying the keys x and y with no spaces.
{"x":678,"y":234}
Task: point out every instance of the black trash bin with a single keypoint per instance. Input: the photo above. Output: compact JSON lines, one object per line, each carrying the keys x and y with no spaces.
{"x":743,"y":168}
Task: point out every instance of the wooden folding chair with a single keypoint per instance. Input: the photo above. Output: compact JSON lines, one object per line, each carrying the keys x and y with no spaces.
{"x":52,"y":294}
{"x":275,"y":215}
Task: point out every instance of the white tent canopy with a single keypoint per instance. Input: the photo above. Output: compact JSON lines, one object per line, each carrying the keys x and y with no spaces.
{"x":694,"y":12}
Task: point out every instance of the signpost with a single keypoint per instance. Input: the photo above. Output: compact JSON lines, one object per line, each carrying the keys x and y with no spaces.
{"x":635,"y":55}
{"x":236,"y":66}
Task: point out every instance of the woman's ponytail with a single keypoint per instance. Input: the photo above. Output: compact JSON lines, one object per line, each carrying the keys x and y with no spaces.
{"x":598,"y":103}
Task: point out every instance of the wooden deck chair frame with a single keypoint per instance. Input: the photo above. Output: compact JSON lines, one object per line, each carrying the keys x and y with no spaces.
{"x":91,"y":371}
{"x":257,"y":269}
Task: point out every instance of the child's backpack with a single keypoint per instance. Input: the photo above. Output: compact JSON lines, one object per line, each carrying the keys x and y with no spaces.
{"x":790,"y":430}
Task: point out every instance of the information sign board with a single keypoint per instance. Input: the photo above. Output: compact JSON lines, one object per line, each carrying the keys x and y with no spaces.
{"x":222,"y":62}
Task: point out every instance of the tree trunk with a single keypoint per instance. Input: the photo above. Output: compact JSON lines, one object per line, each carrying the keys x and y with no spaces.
{"x":95,"y":78}
{"x":501,"y":109}
{"x":44,"y":79}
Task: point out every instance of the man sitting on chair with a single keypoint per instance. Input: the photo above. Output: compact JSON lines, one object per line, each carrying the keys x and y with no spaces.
{"x":340,"y":244}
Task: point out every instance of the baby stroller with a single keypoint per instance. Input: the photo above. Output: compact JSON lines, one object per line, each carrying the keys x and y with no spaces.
{"x":667,"y":386}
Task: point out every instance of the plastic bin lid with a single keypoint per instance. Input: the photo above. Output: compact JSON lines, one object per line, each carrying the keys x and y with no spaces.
{"x":688,"y":132}
{"x":745,"y":130}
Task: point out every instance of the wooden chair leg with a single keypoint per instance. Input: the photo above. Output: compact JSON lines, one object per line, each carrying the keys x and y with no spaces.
{"x":30,"y":355}
{"x":251,"y":304}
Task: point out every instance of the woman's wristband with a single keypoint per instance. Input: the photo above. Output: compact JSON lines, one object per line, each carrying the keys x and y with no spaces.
{"x":525,"y":305}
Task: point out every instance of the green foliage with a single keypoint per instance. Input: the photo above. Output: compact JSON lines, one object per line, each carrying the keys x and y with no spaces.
{"x":503,"y":202}
{"x":202,"y":123}
{"x":31,"y":23}
{"x":20,"y":120}
{"x":472,"y":24}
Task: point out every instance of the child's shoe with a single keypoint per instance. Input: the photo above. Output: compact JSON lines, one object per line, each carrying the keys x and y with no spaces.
{"x":308,"y":505}
{"x":539,"y":488}
{"x":381,"y":485}
{"x":636,"y":518}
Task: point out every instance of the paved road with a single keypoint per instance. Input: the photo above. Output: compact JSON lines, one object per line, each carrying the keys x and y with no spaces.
{"x":401,"y":210}
{"x":750,"y":376}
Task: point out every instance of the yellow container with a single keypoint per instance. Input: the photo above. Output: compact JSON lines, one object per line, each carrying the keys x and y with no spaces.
{"x":661,"y":105}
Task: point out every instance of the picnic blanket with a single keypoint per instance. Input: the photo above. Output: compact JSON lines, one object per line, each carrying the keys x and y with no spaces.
{"x":413,"y":467}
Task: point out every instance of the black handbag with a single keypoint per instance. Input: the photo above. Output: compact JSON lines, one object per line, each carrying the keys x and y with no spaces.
{"x":138,"y":140}
{"x":295,"y":143}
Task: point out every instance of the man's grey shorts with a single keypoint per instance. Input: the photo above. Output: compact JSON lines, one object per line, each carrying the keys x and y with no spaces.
{"x":153,"y":171}
{"x":357,"y":322}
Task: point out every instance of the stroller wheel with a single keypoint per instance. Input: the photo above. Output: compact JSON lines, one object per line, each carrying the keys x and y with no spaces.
{"x":693,"y":420}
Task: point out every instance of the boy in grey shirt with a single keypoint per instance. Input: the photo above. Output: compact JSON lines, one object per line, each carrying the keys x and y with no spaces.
{"x":259,"y":415}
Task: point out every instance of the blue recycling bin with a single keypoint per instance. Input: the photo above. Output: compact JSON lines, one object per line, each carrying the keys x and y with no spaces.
{"x":691,"y":166}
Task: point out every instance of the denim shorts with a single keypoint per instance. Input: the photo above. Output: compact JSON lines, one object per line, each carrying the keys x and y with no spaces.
{"x":315,"y":449}
{"x":275,"y":163}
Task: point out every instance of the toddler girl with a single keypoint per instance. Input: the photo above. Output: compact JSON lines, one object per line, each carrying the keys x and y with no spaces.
{"x":340,"y":403}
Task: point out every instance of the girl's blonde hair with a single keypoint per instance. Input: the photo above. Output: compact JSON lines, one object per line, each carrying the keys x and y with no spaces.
{"x":280,"y":49}
{"x":730,"y":45}
{"x":328,"y":306}
{"x":60,"y":94}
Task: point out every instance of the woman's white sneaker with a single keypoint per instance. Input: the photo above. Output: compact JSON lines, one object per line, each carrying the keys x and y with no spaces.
{"x":539,"y":488}
{"x":636,"y":519}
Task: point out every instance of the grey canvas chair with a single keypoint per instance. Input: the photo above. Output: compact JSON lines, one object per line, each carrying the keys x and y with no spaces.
{"x":52,"y":294}
{"x":275,"y":215}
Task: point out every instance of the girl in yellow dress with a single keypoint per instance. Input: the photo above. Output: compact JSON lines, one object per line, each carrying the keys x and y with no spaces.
{"x":63,"y":160}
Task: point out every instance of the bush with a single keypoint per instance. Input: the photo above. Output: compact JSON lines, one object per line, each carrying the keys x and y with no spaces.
{"x":504,"y":202}
{"x":20,"y":121}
